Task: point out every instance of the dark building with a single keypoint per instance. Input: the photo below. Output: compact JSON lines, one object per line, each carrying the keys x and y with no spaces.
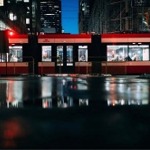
{"x":22,"y":14}
{"x":32,"y":16}
{"x":114,"y":16}
{"x":91,"y":13}
{"x":85,"y":13}
{"x":50,"y":16}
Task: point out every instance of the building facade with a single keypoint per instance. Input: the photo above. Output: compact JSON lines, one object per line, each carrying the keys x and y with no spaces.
{"x":50,"y":16}
{"x":32,"y":16}
{"x":84,"y":15}
{"x":113,"y":16}
{"x":22,"y":14}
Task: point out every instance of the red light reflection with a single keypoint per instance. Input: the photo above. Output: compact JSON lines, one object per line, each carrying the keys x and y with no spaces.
{"x":12,"y":130}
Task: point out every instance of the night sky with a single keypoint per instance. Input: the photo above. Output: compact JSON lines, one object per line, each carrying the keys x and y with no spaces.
{"x":70,"y":16}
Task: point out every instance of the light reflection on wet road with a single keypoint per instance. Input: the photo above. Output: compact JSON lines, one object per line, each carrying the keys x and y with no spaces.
{"x":49,"y":92}
{"x":89,"y":119}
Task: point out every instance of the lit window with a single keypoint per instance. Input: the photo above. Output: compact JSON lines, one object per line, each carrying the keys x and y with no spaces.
{"x":27,"y":21}
{"x":11,"y":16}
{"x":26,"y":1}
{"x":2,"y":3}
{"x":15,"y":17}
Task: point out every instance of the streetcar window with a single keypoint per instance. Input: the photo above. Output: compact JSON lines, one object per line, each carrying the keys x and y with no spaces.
{"x":69,"y":55}
{"x":15,"y":54}
{"x":117,"y":52}
{"x":46,"y":53}
{"x":60,"y":55}
{"x":83,"y":53}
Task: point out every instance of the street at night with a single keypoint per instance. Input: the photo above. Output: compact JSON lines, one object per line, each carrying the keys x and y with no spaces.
{"x":74,"y":112}
{"x":74,"y":74}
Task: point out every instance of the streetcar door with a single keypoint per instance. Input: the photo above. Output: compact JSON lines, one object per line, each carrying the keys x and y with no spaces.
{"x":64,"y":59}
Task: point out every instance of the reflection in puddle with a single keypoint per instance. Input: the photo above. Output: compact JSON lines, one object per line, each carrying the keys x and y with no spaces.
{"x":61,"y":103}
{"x":83,"y":102}
{"x":13,"y":129}
{"x":64,"y":92}
{"x":127,"y":102}
{"x":14,"y":104}
{"x":127,"y":92}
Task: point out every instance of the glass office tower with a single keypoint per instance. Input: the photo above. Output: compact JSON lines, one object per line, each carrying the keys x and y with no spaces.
{"x":50,"y":16}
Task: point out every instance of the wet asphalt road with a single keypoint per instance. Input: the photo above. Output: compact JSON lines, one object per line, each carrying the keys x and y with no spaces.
{"x":74,"y":112}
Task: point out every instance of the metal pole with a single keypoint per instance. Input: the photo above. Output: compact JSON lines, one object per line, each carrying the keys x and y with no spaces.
{"x":59,"y":62}
{"x":14,"y":68}
{"x":106,"y":67}
{"x":33,"y":65}
{"x":6,"y":63}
